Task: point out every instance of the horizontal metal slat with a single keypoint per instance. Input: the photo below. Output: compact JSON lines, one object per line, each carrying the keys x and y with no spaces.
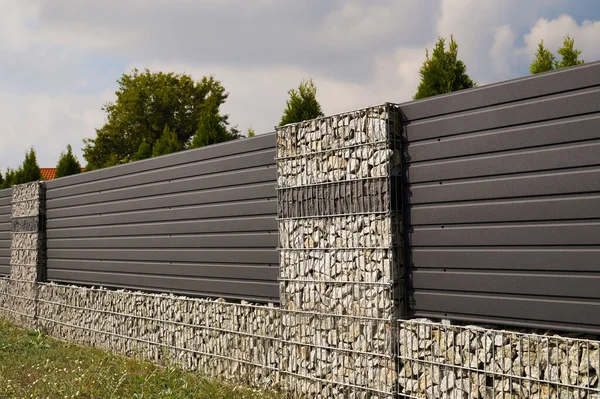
{"x":227,"y":241}
{"x":5,"y":235}
{"x":541,"y":309}
{"x":511,"y":90}
{"x":218,"y":165}
{"x":196,"y":269}
{"x":5,"y":218}
{"x":573,"y":233}
{"x":548,"y":208}
{"x":567,"y":259}
{"x":244,"y":224}
{"x":168,"y":283}
{"x":247,"y":176}
{"x":559,"y":285}
{"x":551,"y":107}
{"x":546,"y":133}
{"x":6,"y":193}
{"x":262,"y":256}
{"x":5,"y":204}
{"x":556,"y":157}
{"x":260,"y":142}
{"x":5,"y":253}
{"x":4,"y":270}
{"x":583,"y":180}
{"x":240,"y":193}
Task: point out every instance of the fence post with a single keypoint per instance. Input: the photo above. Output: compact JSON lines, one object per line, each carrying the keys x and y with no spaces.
{"x":28,"y":251}
{"x":339,"y":217}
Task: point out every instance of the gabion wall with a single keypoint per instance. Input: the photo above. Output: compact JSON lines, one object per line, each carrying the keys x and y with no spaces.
{"x":228,"y":340}
{"x":27,"y":257}
{"x":339,"y":252}
{"x":439,"y":361}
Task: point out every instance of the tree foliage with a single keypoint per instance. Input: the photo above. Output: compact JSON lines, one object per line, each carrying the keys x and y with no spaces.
{"x":569,"y":55}
{"x":146,"y":103}
{"x":29,"y":170}
{"x":251,"y":132}
{"x":443,"y":72}
{"x":167,"y":143}
{"x":144,"y":151}
{"x":302,"y":104}
{"x":211,"y":127}
{"x":544,"y":60}
{"x":67,"y":164}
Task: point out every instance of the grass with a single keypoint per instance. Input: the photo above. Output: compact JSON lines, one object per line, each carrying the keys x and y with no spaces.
{"x":33,"y":365}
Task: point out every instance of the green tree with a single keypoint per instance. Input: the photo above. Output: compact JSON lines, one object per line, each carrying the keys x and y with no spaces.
{"x":9,"y":178}
{"x":146,"y":103}
{"x":569,"y":55}
{"x":251,"y":133}
{"x":144,"y":151}
{"x":29,"y":170}
{"x":1,"y":180}
{"x":443,"y":72}
{"x":544,"y":60}
{"x":302,"y":104}
{"x":67,"y":164}
{"x":167,"y":143}
{"x":211,"y":129}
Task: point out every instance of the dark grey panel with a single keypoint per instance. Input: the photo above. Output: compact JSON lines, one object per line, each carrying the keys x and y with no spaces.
{"x":504,"y":92}
{"x":243,"y":224}
{"x":220,"y":165}
{"x":167,"y":202}
{"x":210,"y":287}
{"x":247,"y":176}
{"x":534,"y":233}
{"x":4,"y":252}
{"x":4,"y":270}
{"x":577,"y":285}
{"x":5,"y":205}
{"x":200,"y":222}
{"x":4,"y":235}
{"x":6,"y":193}
{"x":528,"y":111}
{"x":229,"y":241}
{"x":568,"y":259}
{"x":5,"y":218}
{"x":212,"y":212}
{"x":532,"y":135}
{"x":257,"y":143}
{"x":546,"y":158}
{"x":585,"y":180}
{"x":502,"y":195}
{"x":197,"y":269}
{"x":542,"y":208}
{"x":545,"y":309}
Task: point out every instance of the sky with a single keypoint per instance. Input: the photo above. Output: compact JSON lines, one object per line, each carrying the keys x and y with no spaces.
{"x":60,"y":59}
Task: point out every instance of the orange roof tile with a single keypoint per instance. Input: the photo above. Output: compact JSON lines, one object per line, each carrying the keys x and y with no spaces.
{"x":48,"y":173}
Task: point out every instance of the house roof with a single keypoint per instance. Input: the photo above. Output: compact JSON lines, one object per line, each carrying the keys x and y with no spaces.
{"x":50,"y":173}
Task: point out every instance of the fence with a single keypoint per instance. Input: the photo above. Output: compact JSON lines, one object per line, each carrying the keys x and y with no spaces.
{"x":478,"y":206}
{"x":503,"y":204}
{"x":201,"y":222}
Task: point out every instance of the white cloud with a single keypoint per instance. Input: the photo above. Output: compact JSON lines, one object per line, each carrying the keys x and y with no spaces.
{"x":61,"y":57}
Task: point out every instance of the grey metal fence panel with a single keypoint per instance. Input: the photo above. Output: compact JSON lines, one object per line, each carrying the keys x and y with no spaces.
{"x":5,"y":228}
{"x":200,"y":222}
{"x":502,"y":194}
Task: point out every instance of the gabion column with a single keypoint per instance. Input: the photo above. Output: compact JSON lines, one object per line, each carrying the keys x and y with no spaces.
{"x":27,"y":256}
{"x":340,"y":252}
